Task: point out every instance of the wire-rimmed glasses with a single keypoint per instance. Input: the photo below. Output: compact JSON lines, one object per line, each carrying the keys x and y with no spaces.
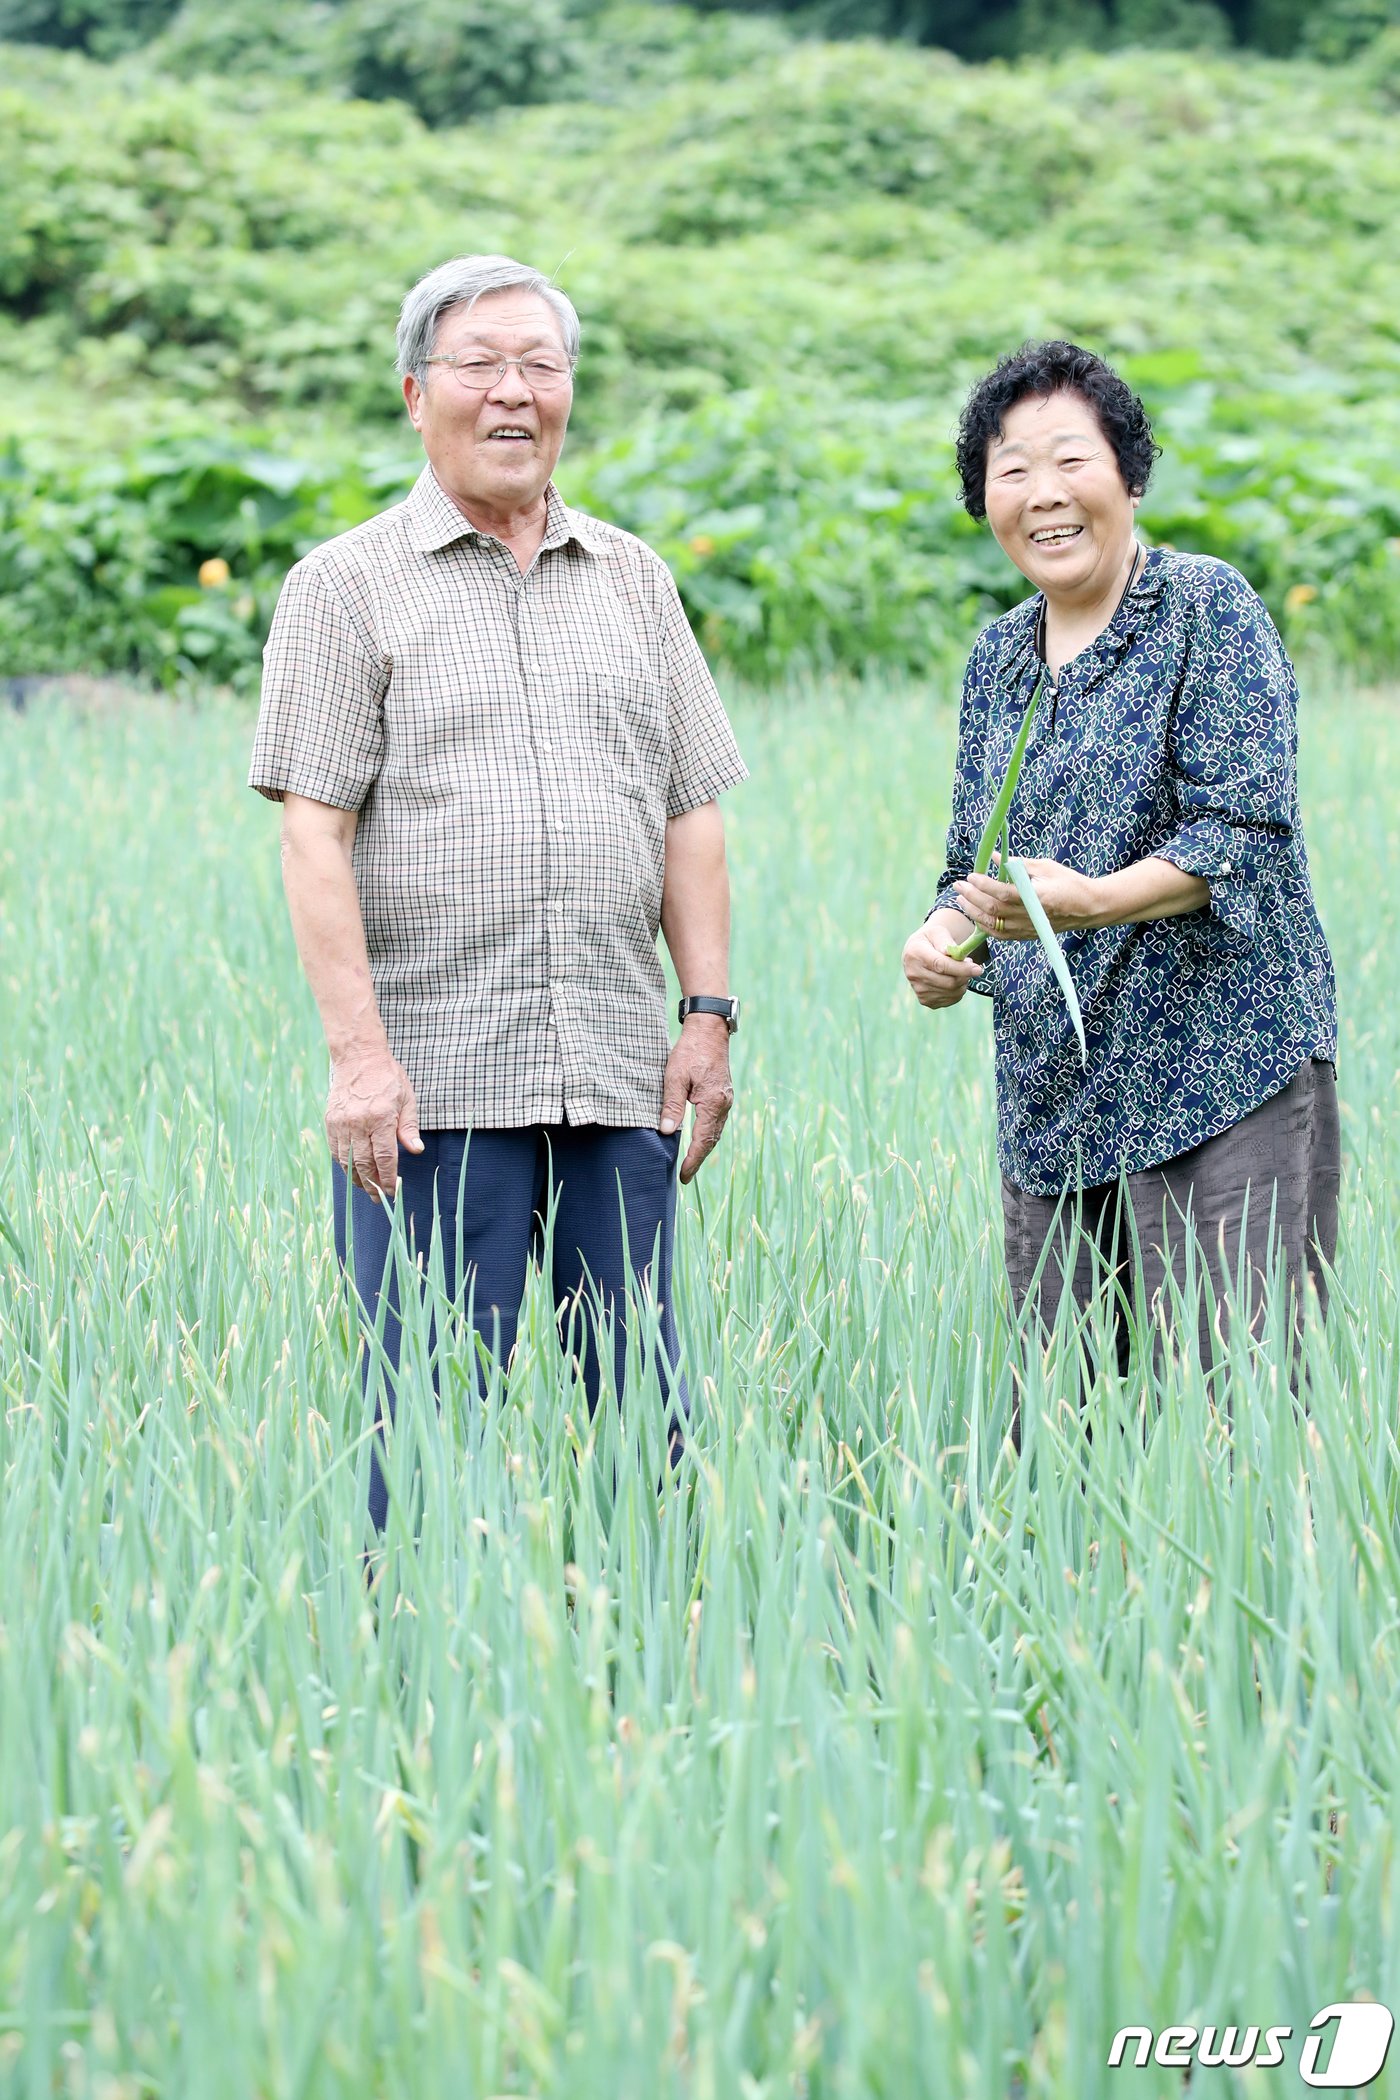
{"x":541,"y":370}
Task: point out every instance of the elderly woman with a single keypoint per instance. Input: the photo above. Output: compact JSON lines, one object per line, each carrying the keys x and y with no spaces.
{"x":1157,"y":812}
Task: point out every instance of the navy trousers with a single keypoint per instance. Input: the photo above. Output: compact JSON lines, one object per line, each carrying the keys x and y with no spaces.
{"x":487,"y":1193}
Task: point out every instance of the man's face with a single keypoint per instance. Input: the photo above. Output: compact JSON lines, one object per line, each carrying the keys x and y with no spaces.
{"x":495,"y":449}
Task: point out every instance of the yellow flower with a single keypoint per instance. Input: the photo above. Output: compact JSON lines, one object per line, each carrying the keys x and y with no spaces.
{"x":702,"y":544}
{"x":1301,"y":594}
{"x":213,"y":571}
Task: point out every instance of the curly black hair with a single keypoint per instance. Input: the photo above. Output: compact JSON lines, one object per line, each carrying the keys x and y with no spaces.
{"x":1050,"y":368}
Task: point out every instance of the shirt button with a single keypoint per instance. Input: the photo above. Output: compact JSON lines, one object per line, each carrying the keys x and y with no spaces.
{"x":1225,"y":868}
{"x":545,"y":744}
{"x":560,"y":826}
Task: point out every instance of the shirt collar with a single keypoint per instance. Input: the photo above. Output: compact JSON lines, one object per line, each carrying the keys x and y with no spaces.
{"x":434,"y":520}
{"x":1018,"y":641}
{"x":1018,"y":648}
{"x":1150,"y":584}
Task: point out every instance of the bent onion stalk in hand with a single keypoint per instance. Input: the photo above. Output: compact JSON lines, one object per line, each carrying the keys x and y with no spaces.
{"x":1016,"y":871}
{"x":996,"y":822}
{"x":1020,"y":874}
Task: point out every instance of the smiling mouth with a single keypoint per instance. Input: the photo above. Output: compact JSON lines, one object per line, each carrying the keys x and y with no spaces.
{"x":510,"y":434}
{"x":1056,"y":535}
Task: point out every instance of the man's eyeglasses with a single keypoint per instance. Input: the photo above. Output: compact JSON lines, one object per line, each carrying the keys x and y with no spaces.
{"x":540,"y":370}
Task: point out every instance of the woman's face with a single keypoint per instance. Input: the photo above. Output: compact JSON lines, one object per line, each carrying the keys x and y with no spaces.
{"x":1056,"y":500}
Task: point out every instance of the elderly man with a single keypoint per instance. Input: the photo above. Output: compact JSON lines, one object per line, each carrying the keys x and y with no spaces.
{"x":498,"y":750}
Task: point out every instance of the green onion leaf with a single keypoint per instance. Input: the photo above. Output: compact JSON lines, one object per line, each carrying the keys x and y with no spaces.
{"x":1019,"y":873}
{"x":996,"y":822}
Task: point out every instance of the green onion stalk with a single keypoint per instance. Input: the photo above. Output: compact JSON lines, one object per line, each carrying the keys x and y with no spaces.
{"x":1015,"y":871}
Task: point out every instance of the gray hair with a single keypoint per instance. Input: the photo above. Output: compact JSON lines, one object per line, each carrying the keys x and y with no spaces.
{"x":462,"y":282}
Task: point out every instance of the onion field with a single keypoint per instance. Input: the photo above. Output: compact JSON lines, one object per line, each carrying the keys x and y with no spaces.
{"x":860,"y":1757}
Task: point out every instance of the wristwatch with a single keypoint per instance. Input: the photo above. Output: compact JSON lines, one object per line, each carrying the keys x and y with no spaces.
{"x":702,"y":1003}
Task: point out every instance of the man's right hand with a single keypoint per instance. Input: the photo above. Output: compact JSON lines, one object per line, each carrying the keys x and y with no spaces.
{"x":370,"y":1112}
{"x":937,"y":978}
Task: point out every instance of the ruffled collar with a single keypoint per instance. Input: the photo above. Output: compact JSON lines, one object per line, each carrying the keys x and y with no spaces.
{"x":1017,"y":654}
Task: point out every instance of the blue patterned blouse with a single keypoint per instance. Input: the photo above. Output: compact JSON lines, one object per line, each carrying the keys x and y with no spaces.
{"x":1174,"y":734}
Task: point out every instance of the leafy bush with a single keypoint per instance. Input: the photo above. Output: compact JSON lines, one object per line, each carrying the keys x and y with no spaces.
{"x":823,"y":531}
{"x":448,"y":63}
{"x":451,"y":59}
{"x":442,"y":54}
{"x":102,"y":565}
{"x":981,"y":29}
{"x":1343,"y":29}
{"x":802,"y":530}
{"x":222,"y":255}
{"x":100,"y":26}
{"x":293,"y":40}
{"x":1380,"y":67}
{"x":805,"y":530}
{"x":778,"y":325}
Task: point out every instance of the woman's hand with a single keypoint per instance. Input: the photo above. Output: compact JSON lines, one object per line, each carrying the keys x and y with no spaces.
{"x":937,"y":979}
{"x":1070,"y":901}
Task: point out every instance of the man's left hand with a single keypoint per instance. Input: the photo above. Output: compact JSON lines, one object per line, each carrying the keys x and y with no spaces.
{"x":697,"y":1071}
{"x":1069,"y":900}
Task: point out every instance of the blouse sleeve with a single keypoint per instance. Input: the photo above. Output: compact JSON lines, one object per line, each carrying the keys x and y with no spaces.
{"x":1232,"y":753}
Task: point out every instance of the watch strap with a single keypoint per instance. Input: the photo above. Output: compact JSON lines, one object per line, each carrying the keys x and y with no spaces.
{"x":705,"y":1003}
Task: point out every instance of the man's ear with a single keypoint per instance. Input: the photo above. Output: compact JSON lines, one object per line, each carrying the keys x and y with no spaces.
{"x":413,"y":400}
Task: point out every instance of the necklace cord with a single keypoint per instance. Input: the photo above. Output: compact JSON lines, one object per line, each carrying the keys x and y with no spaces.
{"x":1138,"y":561}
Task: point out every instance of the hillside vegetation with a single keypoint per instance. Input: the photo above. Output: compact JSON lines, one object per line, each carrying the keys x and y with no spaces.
{"x":450,"y":60}
{"x":791,"y":259}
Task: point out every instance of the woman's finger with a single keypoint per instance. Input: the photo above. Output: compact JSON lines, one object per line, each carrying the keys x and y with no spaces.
{"x":986,"y":895}
{"x":999,"y":913}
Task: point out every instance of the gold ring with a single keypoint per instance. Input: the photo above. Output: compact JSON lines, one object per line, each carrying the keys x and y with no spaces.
{"x":1001,"y":923}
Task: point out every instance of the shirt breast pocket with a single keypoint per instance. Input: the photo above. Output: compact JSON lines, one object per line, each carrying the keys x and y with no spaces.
{"x":622,"y":714}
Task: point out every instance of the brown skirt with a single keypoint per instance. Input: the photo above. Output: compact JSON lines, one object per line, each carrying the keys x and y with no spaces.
{"x":1264,"y":1189}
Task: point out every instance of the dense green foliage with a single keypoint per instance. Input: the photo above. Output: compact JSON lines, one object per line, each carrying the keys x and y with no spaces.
{"x":447,"y":59}
{"x":451,"y":59}
{"x":862,"y":1761}
{"x":198,"y":286}
{"x":982,"y":29}
{"x":101,"y":567}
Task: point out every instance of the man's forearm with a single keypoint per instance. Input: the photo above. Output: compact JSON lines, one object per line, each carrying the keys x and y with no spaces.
{"x":695,"y":921}
{"x":330,"y":935}
{"x":695,"y":901}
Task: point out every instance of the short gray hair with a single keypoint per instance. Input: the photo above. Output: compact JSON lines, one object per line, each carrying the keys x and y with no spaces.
{"x":462,"y":282}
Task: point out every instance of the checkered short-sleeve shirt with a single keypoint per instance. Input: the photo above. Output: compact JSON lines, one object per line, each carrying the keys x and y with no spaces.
{"x":513,"y":746}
